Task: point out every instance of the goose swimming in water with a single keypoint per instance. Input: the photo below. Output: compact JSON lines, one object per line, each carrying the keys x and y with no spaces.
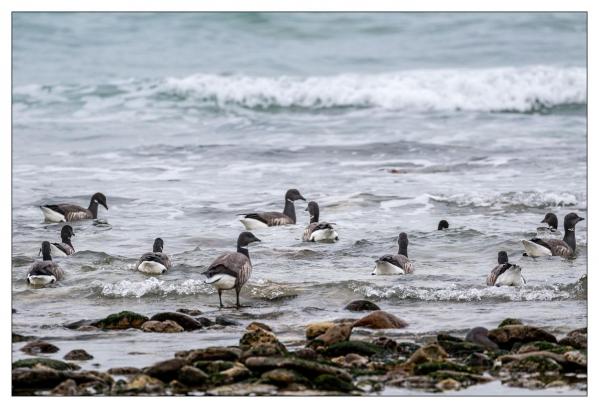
{"x":65,"y":247}
{"x":443,"y":224}
{"x":565,"y":247}
{"x":72,"y":212}
{"x":272,"y":219}
{"x":395,"y":264}
{"x":505,"y":273}
{"x":44,"y":272}
{"x":318,"y":231}
{"x":232,"y":269}
{"x":155,"y":262}
{"x":551,"y":230}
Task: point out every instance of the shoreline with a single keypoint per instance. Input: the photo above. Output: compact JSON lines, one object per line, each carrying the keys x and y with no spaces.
{"x":327,"y":361}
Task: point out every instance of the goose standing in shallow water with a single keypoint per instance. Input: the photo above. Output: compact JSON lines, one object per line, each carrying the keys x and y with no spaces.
{"x":318,"y":231}
{"x":44,"y":272}
{"x":505,"y":274}
{"x":273,"y":218}
{"x":65,"y":247}
{"x":565,"y":247}
{"x":72,"y":212}
{"x":395,"y":264}
{"x":233,"y":269}
{"x":155,"y":262}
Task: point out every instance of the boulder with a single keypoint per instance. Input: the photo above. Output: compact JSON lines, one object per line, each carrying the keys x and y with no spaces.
{"x":39,"y":346}
{"x":331,"y":382}
{"x":307,"y":368}
{"x":460,"y":348}
{"x":166,"y":370}
{"x":191,"y":312}
{"x":235,"y":373}
{"x":261,"y":342}
{"x":575,"y":339}
{"x":45,"y":362}
{"x":210,"y":354}
{"x":357,"y":347}
{"x":282,"y":377}
{"x":334,"y":334}
{"x":167,"y":326}
{"x":381,"y":320}
{"x":429,"y":353}
{"x":509,"y":321}
{"x":258,"y":325}
{"x":187,"y":322}
{"x":17,"y":338}
{"x":121,"y":321}
{"x":39,"y":378}
{"x":506,"y":336}
{"x":314,"y":330}
{"x":480,"y":336}
{"x":142,"y":383}
{"x":66,"y":388}
{"x":226,"y":321}
{"x":361,"y":305}
{"x":78,"y":354}
{"x":192,"y":376}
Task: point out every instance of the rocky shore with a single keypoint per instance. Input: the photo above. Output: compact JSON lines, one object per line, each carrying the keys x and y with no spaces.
{"x":327,"y":362}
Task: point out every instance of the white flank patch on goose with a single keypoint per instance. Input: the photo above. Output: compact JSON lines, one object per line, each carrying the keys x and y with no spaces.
{"x":535,"y":250}
{"x":222,"y":281}
{"x":41,"y":280}
{"x":324,"y":235}
{"x":511,"y":277}
{"x":386,"y":268}
{"x":52,"y":216}
{"x":251,"y":223}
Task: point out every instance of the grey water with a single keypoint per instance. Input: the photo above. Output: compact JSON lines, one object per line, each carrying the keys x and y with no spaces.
{"x":390,"y":121}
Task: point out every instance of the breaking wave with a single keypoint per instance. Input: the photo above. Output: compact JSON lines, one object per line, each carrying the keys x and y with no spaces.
{"x":530,"y":199}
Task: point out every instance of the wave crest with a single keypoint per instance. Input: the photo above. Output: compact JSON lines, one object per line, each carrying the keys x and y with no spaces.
{"x":530,"y":199}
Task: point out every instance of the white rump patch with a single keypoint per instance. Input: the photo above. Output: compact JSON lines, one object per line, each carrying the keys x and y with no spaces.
{"x":41,"y":280}
{"x":535,"y":250}
{"x":151,"y":267}
{"x":52,"y":216}
{"x":326,"y":235}
{"x":251,"y":223}
{"x":386,"y":268}
{"x":222,"y":281}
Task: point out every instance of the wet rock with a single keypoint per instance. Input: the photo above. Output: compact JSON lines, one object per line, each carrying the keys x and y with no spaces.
{"x":448,"y":337}
{"x":205,"y":322}
{"x":192,"y":376}
{"x":258,"y":325}
{"x":121,"y":321}
{"x":386,"y":343}
{"x":480,"y":336}
{"x":124,"y":371}
{"x":213,"y":367}
{"x":534,"y":364}
{"x":143,"y":383}
{"x":575,"y":339}
{"x":543,"y":346}
{"x":78,"y":354}
{"x":187,"y":322}
{"x":178,"y":388}
{"x":448,"y":384}
{"x":80,"y":323}
{"x":45,"y":362}
{"x":66,"y":388}
{"x":226,"y":321}
{"x":261,"y":342}
{"x":242,"y":389}
{"x":464,"y":378}
{"x":381,"y":320}
{"x":307,"y":368}
{"x":429,"y":353}
{"x":235,"y":373}
{"x":83,"y":377}
{"x":509,"y":321}
{"x":37,"y":378}
{"x":166,"y":370}
{"x":506,"y":336}
{"x":351,"y":361}
{"x":334,"y":334}
{"x":333,"y":383}
{"x":406,"y":348}
{"x":357,"y":347}
{"x":479,"y":361}
{"x":283,"y":376}
{"x":17,"y":338}
{"x":39,"y":346}
{"x":167,"y":326}
{"x":430,"y":367}
{"x":306,"y":354}
{"x":314,"y":330}
{"x":576,"y":357}
{"x":191,"y":312}
{"x":461,"y":348}
{"x":361,"y":305}
{"x":210,"y":354}
{"x":87,"y":328}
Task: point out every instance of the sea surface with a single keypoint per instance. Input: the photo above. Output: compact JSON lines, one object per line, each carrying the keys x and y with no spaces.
{"x":391,"y":122}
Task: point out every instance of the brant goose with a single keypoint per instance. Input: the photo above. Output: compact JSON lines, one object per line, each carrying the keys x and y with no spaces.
{"x":71,"y":212}
{"x":443,"y":224}
{"x":155,"y":262}
{"x":272,"y":219}
{"x":505,"y":274}
{"x":233,"y":269}
{"x":551,"y":230}
{"x":65,"y":247}
{"x":318,"y":231}
{"x":555,"y":247}
{"x":46,"y":271}
{"x":395,"y":264}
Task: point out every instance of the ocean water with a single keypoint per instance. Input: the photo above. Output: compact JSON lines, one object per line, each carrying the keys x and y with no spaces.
{"x":390,"y":122}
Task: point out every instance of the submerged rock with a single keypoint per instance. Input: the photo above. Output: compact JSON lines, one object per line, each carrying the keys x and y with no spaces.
{"x":506,"y":336}
{"x":226,"y":321}
{"x":39,"y":346}
{"x":78,"y":354}
{"x":381,"y":320}
{"x":334,"y":334}
{"x":314,"y":330}
{"x":188,"y":323}
{"x":121,"y":321}
{"x":167,"y":326}
{"x":361,"y":305}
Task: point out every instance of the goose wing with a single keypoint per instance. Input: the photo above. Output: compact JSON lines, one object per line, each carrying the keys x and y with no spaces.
{"x":309,"y":230}
{"x":233,"y":264}
{"x":498,"y":270}
{"x":559,"y":247}
{"x":46,"y":268}
{"x":159,"y":257}
{"x":271,"y":219}
{"x":400,"y":261}
{"x":67,"y":249}
{"x":71,"y":212}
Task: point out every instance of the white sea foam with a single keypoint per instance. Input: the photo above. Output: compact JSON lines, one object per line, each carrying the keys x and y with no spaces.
{"x":519,"y":89}
{"x":533,"y":199}
{"x":150,"y":287}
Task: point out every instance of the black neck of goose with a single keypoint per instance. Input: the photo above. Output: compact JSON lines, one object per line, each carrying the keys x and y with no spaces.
{"x":570,"y":238}
{"x":243,"y":250}
{"x":46,"y":255}
{"x":93,"y":207}
{"x":403,"y":249}
{"x":67,"y":240}
{"x":314,"y":215}
{"x":289,"y":209}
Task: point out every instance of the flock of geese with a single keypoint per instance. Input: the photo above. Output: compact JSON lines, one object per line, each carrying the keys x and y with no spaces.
{"x":232,"y":270}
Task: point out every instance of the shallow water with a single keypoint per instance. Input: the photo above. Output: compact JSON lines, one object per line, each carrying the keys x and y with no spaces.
{"x":390,"y":122}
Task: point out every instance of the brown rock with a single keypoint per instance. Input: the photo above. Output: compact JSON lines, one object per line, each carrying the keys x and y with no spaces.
{"x":66,"y":388}
{"x":167,"y":326}
{"x":124,"y":370}
{"x":429,"y":353}
{"x":506,"y":336}
{"x":166,"y":370}
{"x":283,"y":376}
{"x":314,"y":330}
{"x":37,"y":378}
{"x":448,"y":384}
{"x":39,"y":346}
{"x":361,"y":305}
{"x":236,"y":373}
{"x":187,"y":322}
{"x":121,"y":321}
{"x":145,"y":383}
{"x":258,"y":325}
{"x":261,"y":342}
{"x":575,"y":339}
{"x":210,"y":354}
{"x":78,"y":354}
{"x":381,"y":320}
{"x":191,"y":312}
{"x":335,"y":334}
{"x":192,"y":376}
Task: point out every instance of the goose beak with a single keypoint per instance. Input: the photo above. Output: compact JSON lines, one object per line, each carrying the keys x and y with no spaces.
{"x":580,"y":219}
{"x":307,"y":209}
{"x":105,"y":205}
